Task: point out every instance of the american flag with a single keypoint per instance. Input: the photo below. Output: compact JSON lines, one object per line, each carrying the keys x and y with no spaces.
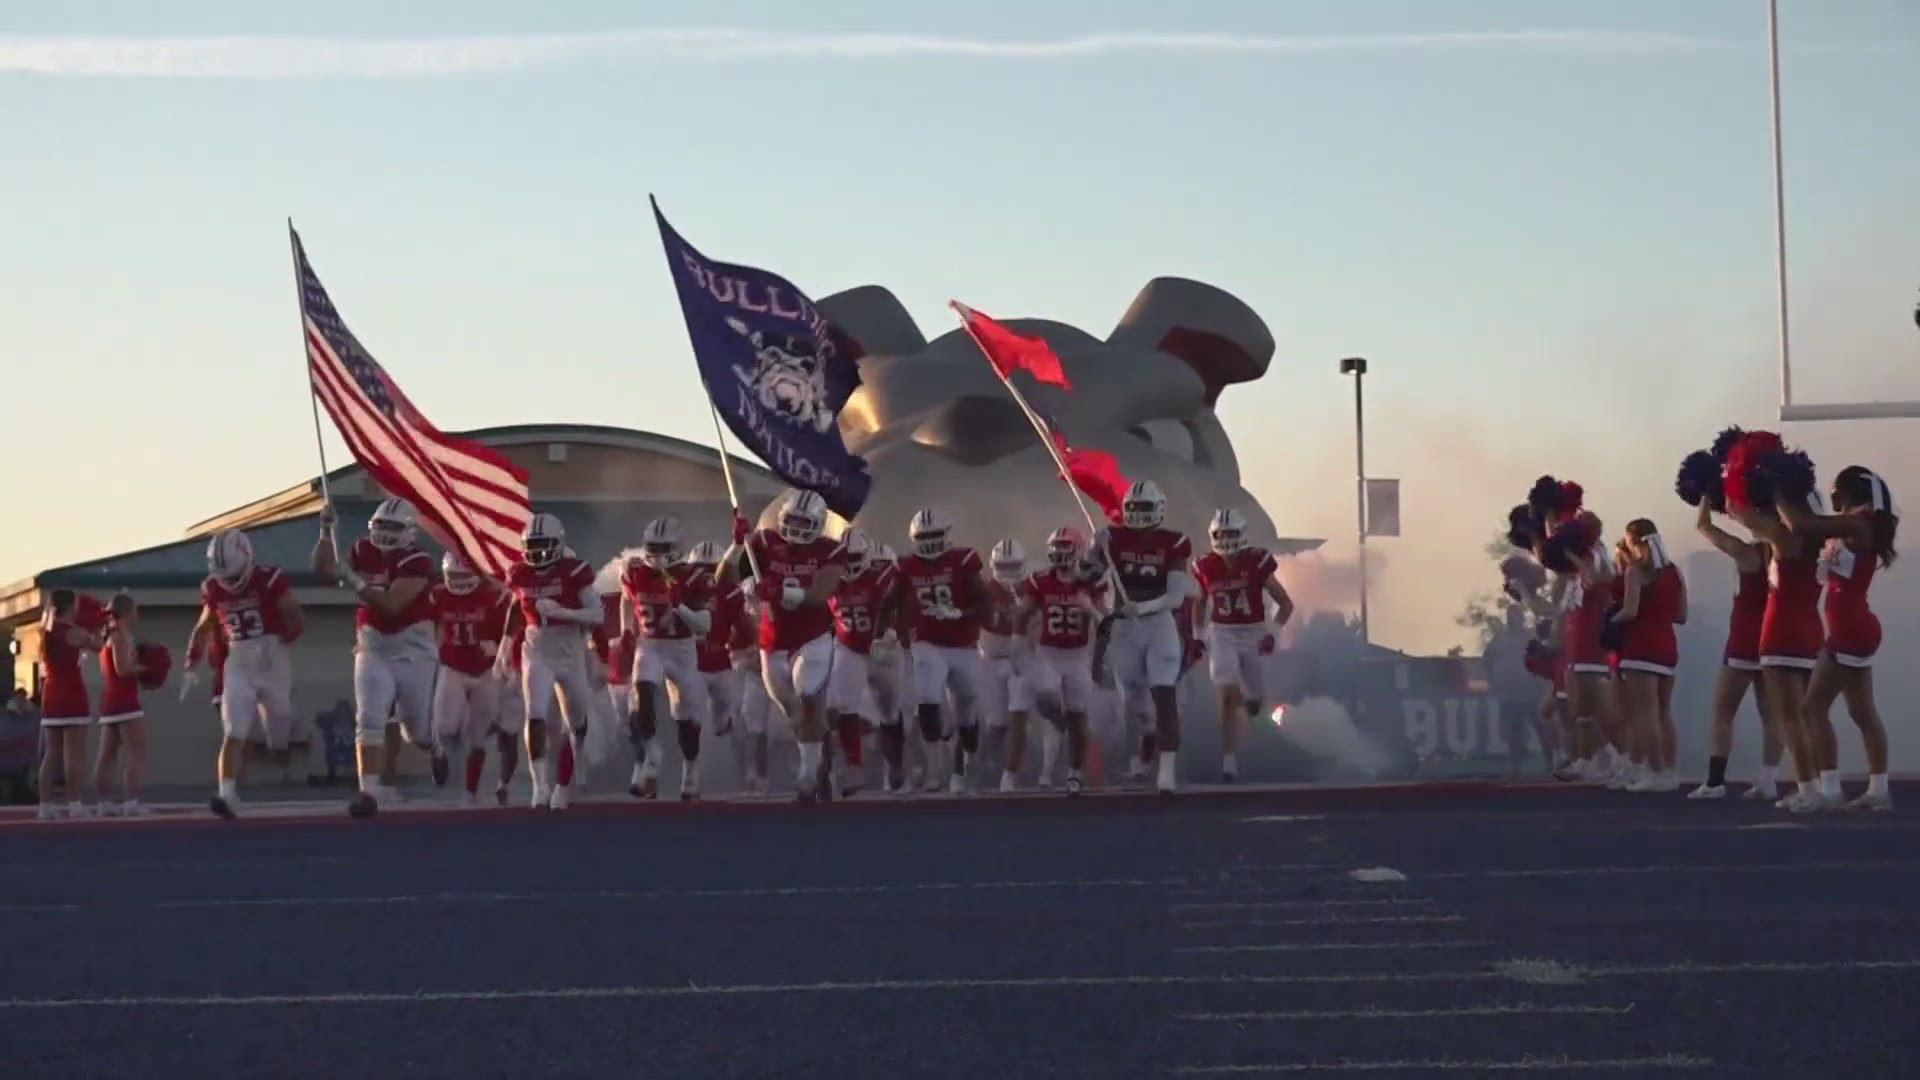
{"x":469,"y":498}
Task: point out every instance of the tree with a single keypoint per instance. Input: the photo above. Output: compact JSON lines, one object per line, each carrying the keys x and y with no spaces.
{"x":1494,"y":613}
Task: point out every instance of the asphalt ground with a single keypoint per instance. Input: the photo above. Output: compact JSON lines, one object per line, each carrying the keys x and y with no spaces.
{"x":1408,"y":931}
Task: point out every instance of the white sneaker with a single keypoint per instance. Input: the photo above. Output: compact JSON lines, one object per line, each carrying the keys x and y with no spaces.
{"x":1769,"y":792}
{"x":1708,"y":791}
{"x":958,"y":784}
{"x":79,"y":811}
{"x":49,"y":812}
{"x":1807,"y":802}
{"x":107,"y":809}
{"x":1046,"y":782}
{"x":1623,"y":778}
{"x":558,"y":801}
{"x":540,"y":797}
{"x":469,"y":800}
{"x":135,"y":808}
{"x":1879,"y":803}
{"x":689,"y":781}
{"x":1664,"y":782}
{"x":1008,"y":783}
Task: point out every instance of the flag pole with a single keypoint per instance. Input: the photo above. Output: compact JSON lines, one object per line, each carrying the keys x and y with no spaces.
{"x":1046,"y":440}
{"x":313,"y":393}
{"x":726,"y":471}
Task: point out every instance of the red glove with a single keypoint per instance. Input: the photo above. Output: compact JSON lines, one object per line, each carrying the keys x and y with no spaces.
{"x":1266,"y":645}
{"x":742,"y":529}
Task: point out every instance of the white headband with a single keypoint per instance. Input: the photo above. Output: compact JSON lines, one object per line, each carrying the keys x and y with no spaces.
{"x":1656,"y":549}
{"x":1879,"y":497}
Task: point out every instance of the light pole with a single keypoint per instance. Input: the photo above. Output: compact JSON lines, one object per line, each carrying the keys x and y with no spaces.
{"x":1356,"y":366}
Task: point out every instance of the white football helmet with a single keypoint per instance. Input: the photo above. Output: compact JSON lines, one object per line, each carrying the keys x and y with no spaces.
{"x":930,"y":532}
{"x":460,"y":577}
{"x":859,"y":550}
{"x":1144,"y":506}
{"x":543,"y":541}
{"x":230,"y":557}
{"x":1008,"y":561}
{"x":660,"y":544}
{"x":705,"y":553}
{"x":1227,"y":531}
{"x":803,"y":518}
{"x":883,"y":555}
{"x":1065,"y":546}
{"x":391,"y":525}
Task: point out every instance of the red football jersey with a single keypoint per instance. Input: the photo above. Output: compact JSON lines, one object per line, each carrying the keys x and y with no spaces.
{"x":1236,"y":585}
{"x":563,"y":581}
{"x":1003,"y":602}
{"x":949,"y":579}
{"x":383,"y":568}
{"x":465,"y":624}
{"x":860,"y":607}
{"x":1144,"y":557}
{"x":251,"y":609}
{"x":729,"y":630}
{"x":1065,"y":619}
{"x":779,"y":563}
{"x":653,"y":594}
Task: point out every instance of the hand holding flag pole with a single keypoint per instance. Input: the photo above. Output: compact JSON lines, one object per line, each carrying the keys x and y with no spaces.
{"x":726,"y":471}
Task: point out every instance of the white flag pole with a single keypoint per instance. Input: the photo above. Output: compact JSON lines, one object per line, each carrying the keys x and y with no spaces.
{"x":726,"y":471}
{"x":313,"y":392}
{"x":1046,"y":439}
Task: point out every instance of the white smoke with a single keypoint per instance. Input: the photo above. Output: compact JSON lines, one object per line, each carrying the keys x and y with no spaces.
{"x":1320,"y":727}
{"x":607,"y":581}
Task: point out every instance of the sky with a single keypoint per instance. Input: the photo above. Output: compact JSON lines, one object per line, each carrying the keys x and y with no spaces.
{"x":1547,"y":225}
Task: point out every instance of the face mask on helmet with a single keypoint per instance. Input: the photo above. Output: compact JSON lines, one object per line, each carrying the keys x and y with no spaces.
{"x":1063,"y":554}
{"x":542,"y":550}
{"x":386,"y":534}
{"x":658,"y":552}
{"x":1228,"y":541}
{"x":1141,"y":514}
{"x":797,"y":526}
{"x":461,"y":581}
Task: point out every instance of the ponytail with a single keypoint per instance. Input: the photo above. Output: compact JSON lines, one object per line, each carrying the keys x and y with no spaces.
{"x":1884,"y":524}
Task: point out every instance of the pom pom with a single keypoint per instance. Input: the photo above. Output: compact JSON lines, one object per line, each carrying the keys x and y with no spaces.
{"x":1745,"y":482}
{"x":1699,"y":480}
{"x":1612,"y":634}
{"x":1571,"y":497}
{"x":89,"y":613}
{"x":1723,"y":443}
{"x":155,"y":662}
{"x":1541,"y":659}
{"x":1790,"y":474}
{"x":1522,"y":575}
{"x":1544,"y":498}
{"x":1523,"y":529}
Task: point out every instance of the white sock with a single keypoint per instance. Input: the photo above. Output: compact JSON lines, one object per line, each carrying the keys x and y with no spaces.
{"x":229,"y":789}
{"x":1801,"y":787}
{"x":1049,"y":750}
{"x":1830,"y":782}
{"x":809,"y":761}
{"x":1877,"y":784}
{"x":639,"y":771}
{"x":1230,"y":763}
{"x":1769,"y":776}
{"x":1167,"y":770}
{"x":542,"y":770}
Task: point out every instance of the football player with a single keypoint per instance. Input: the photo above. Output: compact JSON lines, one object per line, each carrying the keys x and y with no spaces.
{"x":1237,"y":581}
{"x":559,"y":607}
{"x":1151,"y":562}
{"x":1062,"y":604}
{"x":949,"y":598}
{"x":727,"y":631}
{"x":666,"y":601}
{"x":470,"y":614}
{"x":259,"y":617}
{"x":799,"y":568}
{"x":1005,"y":655}
{"x":395,"y":656}
{"x":861,"y":606}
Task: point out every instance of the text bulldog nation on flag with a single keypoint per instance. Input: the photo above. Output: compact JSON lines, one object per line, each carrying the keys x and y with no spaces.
{"x":776,"y":369}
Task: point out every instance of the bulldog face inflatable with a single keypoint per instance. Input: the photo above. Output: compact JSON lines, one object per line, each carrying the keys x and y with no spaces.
{"x":938,"y":429}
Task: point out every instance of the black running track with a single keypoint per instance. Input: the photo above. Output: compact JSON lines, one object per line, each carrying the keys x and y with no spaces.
{"x":1555,"y":930}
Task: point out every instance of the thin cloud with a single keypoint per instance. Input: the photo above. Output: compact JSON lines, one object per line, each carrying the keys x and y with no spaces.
{"x":266,"y":57}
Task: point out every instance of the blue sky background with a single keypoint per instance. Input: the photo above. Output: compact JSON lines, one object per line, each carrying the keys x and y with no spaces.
{"x":1557,"y":255}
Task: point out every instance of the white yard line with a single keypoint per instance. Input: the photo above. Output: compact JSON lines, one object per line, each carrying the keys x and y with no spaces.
{"x":1333,"y":921}
{"x":1561,"y":1064}
{"x":1333,"y":946}
{"x":1519,"y":1009}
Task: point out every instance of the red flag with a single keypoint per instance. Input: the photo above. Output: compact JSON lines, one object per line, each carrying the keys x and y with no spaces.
{"x":1096,"y":474}
{"x":1008,"y":351}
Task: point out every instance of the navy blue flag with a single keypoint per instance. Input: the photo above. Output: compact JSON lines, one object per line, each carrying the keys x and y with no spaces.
{"x":776,"y":369}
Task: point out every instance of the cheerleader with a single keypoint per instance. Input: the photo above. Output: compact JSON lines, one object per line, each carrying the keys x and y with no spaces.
{"x":1858,"y":538}
{"x":123,"y":724}
{"x":1589,"y":683}
{"x":1653,"y":601}
{"x":1740,"y":667}
{"x":65,"y":712}
{"x":1791,"y":634}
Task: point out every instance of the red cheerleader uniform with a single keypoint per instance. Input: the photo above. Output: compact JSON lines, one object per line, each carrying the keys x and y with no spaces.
{"x":1853,"y":631}
{"x":1584,"y":654}
{"x":1743,"y":627}
{"x":119,"y":691}
{"x":63,"y":692}
{"x":1649,"y":642}
{"x":1790,"y":632}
